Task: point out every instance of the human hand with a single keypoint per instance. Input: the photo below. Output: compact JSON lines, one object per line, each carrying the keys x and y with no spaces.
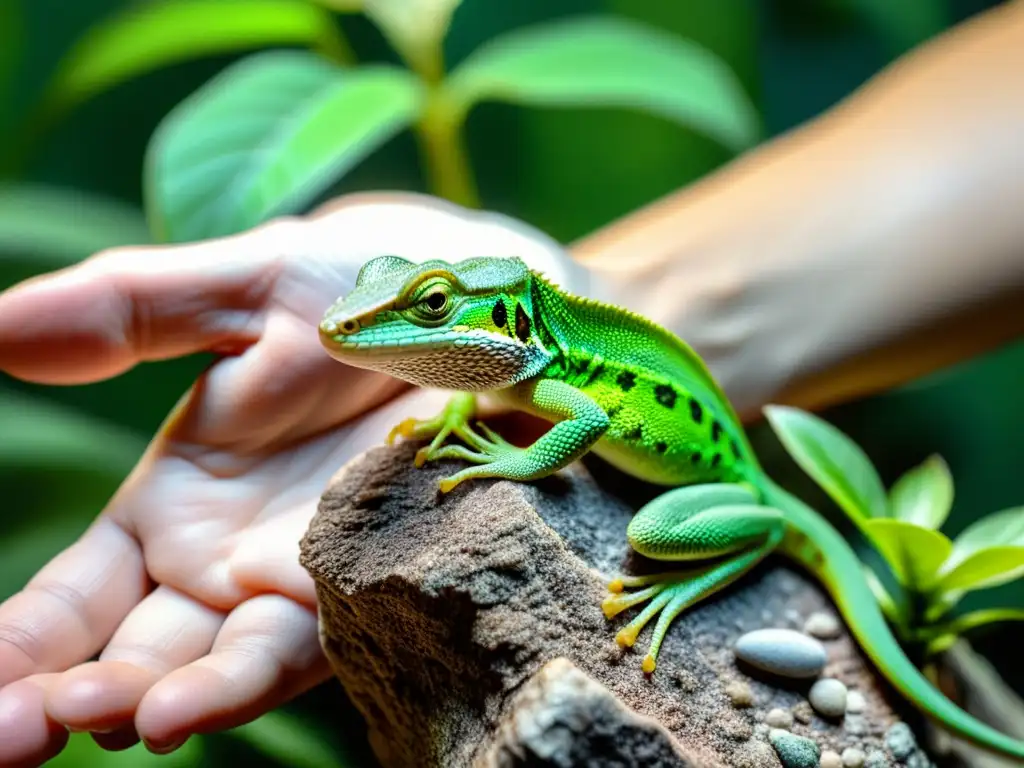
{"x":188,"y":585}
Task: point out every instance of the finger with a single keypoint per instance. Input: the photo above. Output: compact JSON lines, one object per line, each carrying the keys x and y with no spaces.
{"x":69,"y":610}
{"x":267,"y":652}
{"x":103,"y":316}
{"x":165,"y":631}
{"x":27,"y":736}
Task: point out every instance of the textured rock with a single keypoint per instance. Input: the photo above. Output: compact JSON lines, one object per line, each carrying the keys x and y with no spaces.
{"x":468,"y":631}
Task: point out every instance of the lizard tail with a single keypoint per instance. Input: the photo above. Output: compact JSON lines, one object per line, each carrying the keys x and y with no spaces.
{"x":840,"y":570}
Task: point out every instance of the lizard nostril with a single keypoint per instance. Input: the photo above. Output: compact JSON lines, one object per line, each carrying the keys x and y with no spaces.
{"x":349,"y":326}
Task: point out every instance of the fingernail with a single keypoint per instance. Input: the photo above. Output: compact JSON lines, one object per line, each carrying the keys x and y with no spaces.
{"x":163,"y":748}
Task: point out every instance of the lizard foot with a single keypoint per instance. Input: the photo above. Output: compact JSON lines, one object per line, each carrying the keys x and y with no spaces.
{"x":669,"y":594}
{"x":453,"y":420}
{"x":493,"y":455}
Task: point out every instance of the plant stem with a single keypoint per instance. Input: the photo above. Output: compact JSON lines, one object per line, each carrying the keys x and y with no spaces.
{"x":441,"y":144}
{"x":439,"y":132}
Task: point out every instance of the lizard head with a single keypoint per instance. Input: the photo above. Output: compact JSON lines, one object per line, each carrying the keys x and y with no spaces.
{"x":465,"y":326}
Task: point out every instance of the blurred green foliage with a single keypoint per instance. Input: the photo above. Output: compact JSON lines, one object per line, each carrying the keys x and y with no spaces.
{"x":84,"y":87}
{"x":927,"y":573}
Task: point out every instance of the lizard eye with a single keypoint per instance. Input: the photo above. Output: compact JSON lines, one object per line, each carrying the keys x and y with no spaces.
{"x":436,"y":301}
{"x":432,"y":302}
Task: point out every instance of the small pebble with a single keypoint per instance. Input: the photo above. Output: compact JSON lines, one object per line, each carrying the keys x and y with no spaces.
{"x":782,"y":652}
{"x":855,"y":725}
{"x":876,"y":759}
{"x":779,"y":718}
{"x":794,"y":751}
{"x":802,"y":712}
{"x":830,"y":759}
{"x":852,"y":758}
{"x":822,"y":624}
{"x":919,"y":760}
{"x":739,"y":693}
{"x":855,"y":702}
{"x":900,"y":740}
{"x":828,"y":696}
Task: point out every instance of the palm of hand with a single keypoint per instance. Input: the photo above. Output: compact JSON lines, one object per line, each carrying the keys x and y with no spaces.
{"x":188,"y":586}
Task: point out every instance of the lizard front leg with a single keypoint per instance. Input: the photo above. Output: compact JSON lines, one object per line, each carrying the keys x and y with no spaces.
{"x":580,"y":422}
{"x":687,"y":524}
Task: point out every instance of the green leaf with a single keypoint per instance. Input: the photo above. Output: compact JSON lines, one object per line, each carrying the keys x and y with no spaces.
{"x":986,"y":567}
{"x":265,"y":137}
{"x":832,"y":459}
{"x":914,"y":553}
{"x":885,"y":601}
{"x":288,"y":740}
{"x":37,"y":433}
{"x":148,"y":36}
{"x":974,"y":619}
{"x":610,"y":62}
{"x":924,"y":495}
{"x":1005,"y":527}
{"x":57,"y":226}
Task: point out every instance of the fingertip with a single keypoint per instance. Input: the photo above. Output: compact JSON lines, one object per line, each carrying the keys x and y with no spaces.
{"x":98,"y":696}
{"x":117,"y":740}
{"x":27,"y":736}
{"x":178,"y":706}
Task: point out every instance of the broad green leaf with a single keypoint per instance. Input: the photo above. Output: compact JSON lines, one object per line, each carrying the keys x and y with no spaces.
{"x":986,"y":567}
{"x":58,"y":226}
{"x":923,"y":495}
{"x":37,"y":433}
{"x":288,"y":740}
{"x":148,"y":36}
{"x":610,"y":62}
{"x":832,"y":459}
{"x":265,"y":137}
{"x":914,"y":553}
{"x":1005,"y":527}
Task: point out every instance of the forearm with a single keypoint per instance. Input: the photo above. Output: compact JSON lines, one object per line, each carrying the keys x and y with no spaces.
{"x":876,"y":243}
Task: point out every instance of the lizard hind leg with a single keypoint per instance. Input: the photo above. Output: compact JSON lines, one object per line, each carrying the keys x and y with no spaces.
{"x":685,"y":525}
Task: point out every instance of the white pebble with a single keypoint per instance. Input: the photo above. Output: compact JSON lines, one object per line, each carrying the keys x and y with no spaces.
{"x":822,"y":624}
{"x":828,"y":696}
{"x":739,"y":693}
{"x":779,"y":718}
{"x":855,"y":702}
{"x":853,"y":758}
{"x":830,"y":759}
{"x":782,"y":652}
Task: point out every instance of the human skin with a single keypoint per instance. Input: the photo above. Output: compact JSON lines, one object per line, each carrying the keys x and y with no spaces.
{"x":863,"y":249}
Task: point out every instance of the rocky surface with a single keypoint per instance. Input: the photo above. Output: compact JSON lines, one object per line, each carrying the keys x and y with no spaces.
{"x":468,"y":631}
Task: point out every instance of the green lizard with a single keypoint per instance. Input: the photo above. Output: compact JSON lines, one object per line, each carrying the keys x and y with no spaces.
{"x":617,"y":384}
